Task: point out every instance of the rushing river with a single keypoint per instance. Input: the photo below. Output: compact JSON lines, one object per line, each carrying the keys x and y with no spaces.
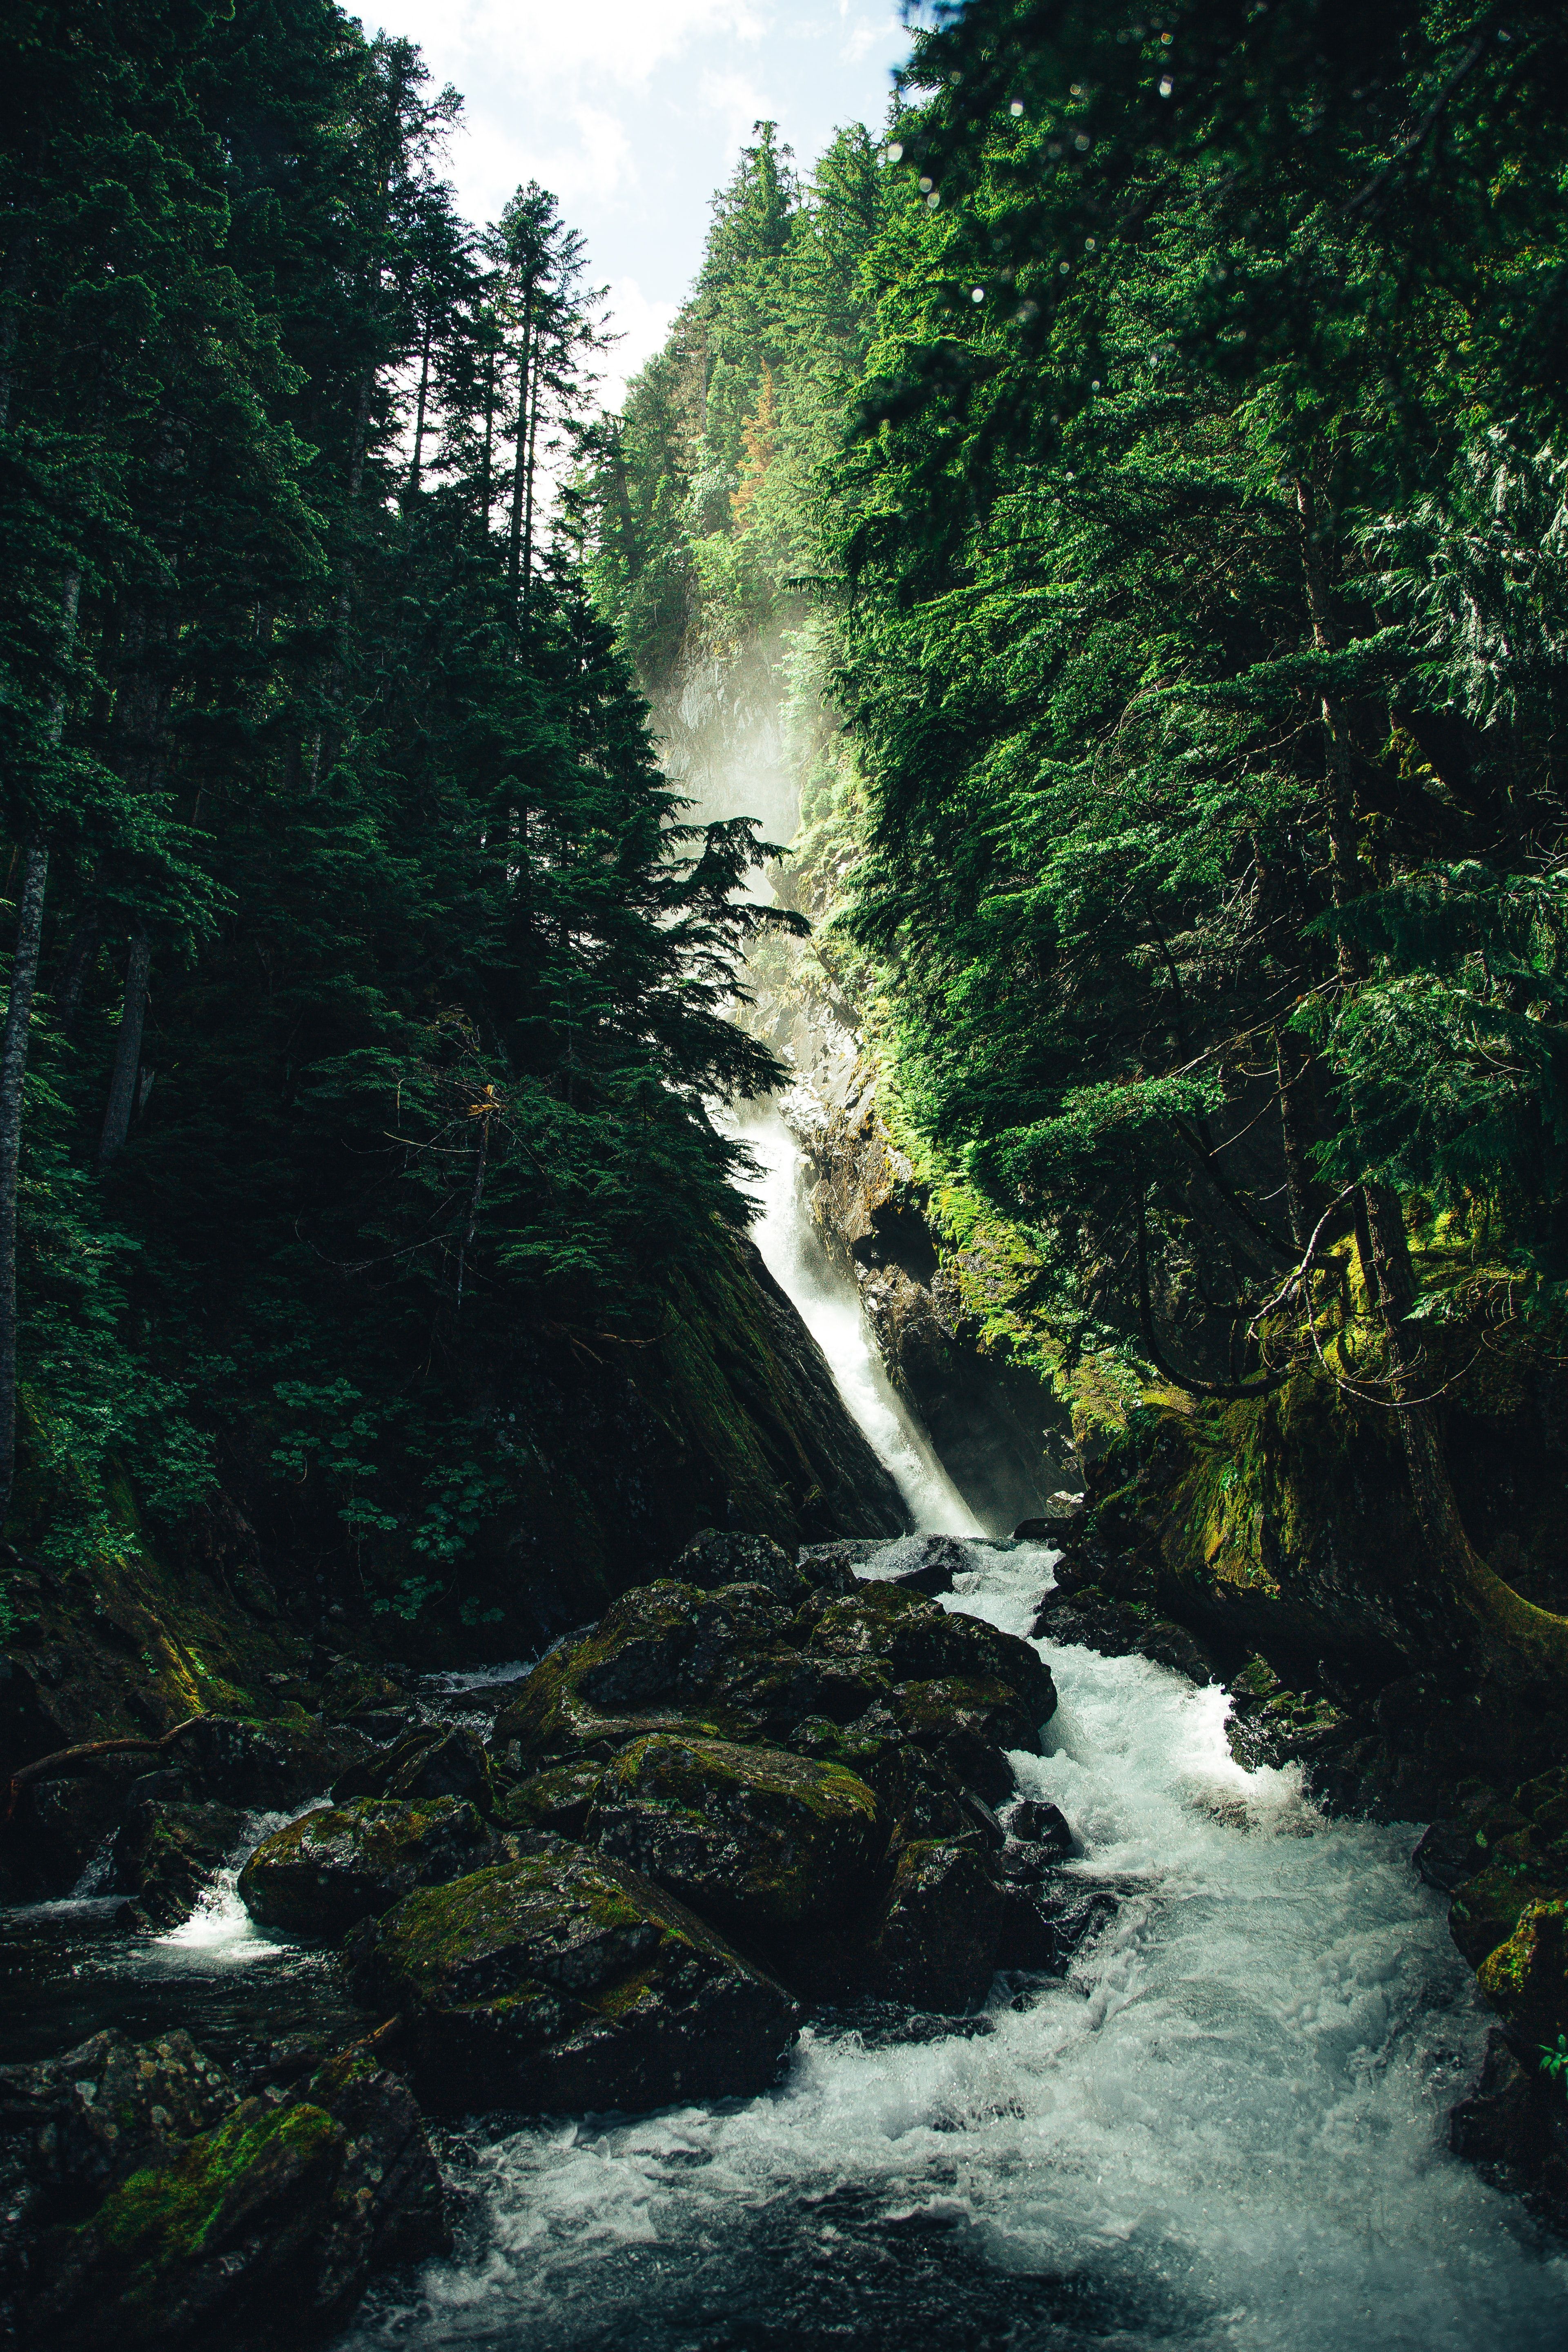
{"x":1225,"y":2128}
{"x":1224,"y":2131}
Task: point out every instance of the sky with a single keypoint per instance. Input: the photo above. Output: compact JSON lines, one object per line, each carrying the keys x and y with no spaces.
{"x":633,"y":112}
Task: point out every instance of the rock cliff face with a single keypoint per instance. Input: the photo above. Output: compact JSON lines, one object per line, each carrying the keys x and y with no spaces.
{"x":990,"y":1424}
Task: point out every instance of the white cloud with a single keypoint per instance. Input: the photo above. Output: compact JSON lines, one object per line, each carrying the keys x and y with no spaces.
{"x":632,"y":112}
{"x":623,"y":41}
{"x":868,"y":34}
{"x":738,"y":102}
{"x":593,"y":158}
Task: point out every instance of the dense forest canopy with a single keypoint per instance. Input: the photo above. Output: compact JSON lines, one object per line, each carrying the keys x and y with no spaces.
{"x":1189,"y":574}
{"x":1151,"y":449}
{"x":367,"y":990}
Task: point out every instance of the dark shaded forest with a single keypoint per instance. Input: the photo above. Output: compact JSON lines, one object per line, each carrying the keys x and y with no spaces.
{"x":628,"y":1449}
{"x":367,"y":987}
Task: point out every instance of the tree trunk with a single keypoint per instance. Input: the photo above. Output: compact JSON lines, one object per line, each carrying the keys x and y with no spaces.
{"x":127,"y":1053}
{"x":1501,"y":1614}
{"x":14,"y":1064}
{"x":528,"y":499}
{"x":419,"y":410}
{"x":332,"y":739}
{"x":520,"y":450}
{"x":487,"y":491}
{"x":78,"y":964}
{"x":13,"y":1070}
{"x":1293,"y":1063}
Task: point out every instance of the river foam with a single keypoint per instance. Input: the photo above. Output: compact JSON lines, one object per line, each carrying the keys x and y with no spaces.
{"x":1225,"y":2128}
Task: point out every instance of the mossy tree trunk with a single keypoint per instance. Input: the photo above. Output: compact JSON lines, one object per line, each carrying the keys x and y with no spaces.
{"x":1504,"y":1621}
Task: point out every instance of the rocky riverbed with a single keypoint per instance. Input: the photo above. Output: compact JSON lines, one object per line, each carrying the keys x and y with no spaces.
{"x":772,"y":1839}
{"x":625,"y":1879}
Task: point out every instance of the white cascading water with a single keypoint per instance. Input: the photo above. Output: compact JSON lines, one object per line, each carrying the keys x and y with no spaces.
{"x":829,"y":1306}
{"x":1224,"y":2130}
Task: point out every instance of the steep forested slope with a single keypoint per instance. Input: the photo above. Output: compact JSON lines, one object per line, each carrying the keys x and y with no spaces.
{"x":358,"y":1190}
{"x":1190,"y":583}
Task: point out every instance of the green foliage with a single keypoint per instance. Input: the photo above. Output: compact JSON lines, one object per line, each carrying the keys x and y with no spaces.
{"x":1554,"y":2059}
{"x":1172,"y":442}
{"x":1202,"y":615}
{"x":440,"y":975}
{"x":700,"y":500}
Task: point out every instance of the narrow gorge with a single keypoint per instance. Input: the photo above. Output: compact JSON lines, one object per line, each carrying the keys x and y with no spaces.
{"x":783,"y":1236}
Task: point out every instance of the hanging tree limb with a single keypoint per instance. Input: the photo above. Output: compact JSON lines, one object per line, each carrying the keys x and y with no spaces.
{"x":65,"y":1761}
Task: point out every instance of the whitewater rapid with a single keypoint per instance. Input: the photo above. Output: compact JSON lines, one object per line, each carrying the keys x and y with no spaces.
{"x":1224,"y":2129}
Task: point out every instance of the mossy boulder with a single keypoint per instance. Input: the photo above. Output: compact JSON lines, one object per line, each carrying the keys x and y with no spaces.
{"x":644,"y":1666}
{"x":1526,"y":1979}
{"x":1486,"y":1907}
{"x":315,"y":1878}
{"x":437,"y":1761}
{"x":940,"y":1931}
{"x":1461,"y":1845}
{"x":969,"y":1725}
{"x":260,"y":2231}
{"x":559,"y":1799}
{"x":752,"y":1837}
{"x":913,"y":1638}
{"x":716,"y":1556}
{"x":260,"y":1765}
{"x":108,"y":2106}
{"x":563,"y":1980}
{"x":667,"y":1657}
{"x":1544,"y":1802}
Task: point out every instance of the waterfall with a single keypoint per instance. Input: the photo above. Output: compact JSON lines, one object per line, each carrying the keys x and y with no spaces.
{"x":829,"y":1306}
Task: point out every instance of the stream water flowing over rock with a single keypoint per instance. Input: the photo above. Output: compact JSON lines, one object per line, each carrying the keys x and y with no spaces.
{"x":1225,"y":2126}
{"x":1211,"y":2114}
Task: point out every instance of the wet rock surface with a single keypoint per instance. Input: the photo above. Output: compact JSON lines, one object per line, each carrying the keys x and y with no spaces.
{"x":752,"y":1837}
{"x":987,"y":1421}
{"x":168,"y":1851}
{"x":435,"y":1761}
{"x":151,"y":2205}
{"x":758,"y":1785}
{"x":314,"y":1878}
{"x":560,"y":1981}
{"x":938,"y":1939}
{"x":771,"y":1760}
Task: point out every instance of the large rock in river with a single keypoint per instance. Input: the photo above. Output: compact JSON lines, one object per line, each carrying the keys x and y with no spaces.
{"x":752,"y":1837}
{"x":260,"y":2231}
{"x":938,"y":1941}
{"x":316,"y":1877}
{"x":167,"y":1854}
{"x":738,"y":1664}
{"x":436,"y":1761}
{"x":564,"y":1980}
{"x":107,"y":2107}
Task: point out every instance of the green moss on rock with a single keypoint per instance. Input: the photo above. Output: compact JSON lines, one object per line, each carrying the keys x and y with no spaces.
{"x":754,"y":1837}
{"x":315,"y":1877}
{"x":562,"y":1979}
{"x":1526,"y":1979}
